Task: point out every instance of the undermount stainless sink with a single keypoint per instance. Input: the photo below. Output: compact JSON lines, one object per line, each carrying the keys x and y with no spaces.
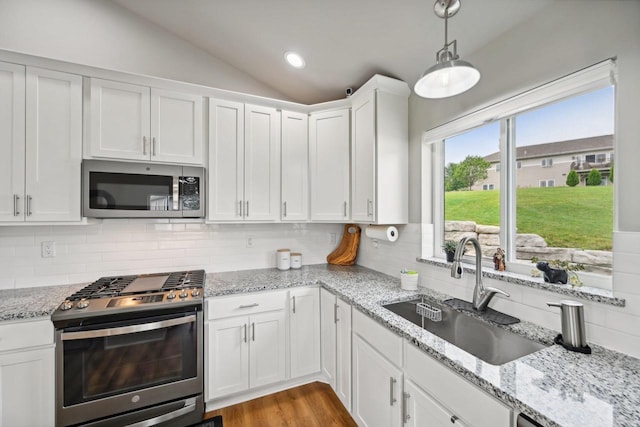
{"x":487,"y":342}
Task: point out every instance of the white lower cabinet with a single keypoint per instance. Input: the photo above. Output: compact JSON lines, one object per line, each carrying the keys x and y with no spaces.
{"x":27,"y":374}
{"x":304,"y":331}
{"x":244,"y":351}
{"x":420,"y":409}
{"x":377,"y":387}
{"x":335,"y":320}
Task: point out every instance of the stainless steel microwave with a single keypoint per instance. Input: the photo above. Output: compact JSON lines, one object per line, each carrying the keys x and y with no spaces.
{"x":112,"y":189}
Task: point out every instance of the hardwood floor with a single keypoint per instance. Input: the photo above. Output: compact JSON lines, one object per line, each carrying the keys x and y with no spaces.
{"x":309,"y":405}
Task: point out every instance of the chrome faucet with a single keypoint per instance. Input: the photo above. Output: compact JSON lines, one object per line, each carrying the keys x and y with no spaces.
{"x":481,"y":295}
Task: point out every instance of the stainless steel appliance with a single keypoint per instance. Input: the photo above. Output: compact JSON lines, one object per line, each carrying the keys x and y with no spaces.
{"x":129,"y":352}
{"x":113,"y":189}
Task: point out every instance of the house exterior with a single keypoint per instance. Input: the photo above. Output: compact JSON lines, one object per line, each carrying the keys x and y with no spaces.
{"x":547,"y":165}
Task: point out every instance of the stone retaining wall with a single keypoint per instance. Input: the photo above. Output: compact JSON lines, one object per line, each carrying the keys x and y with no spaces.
{"x":527,"y":246}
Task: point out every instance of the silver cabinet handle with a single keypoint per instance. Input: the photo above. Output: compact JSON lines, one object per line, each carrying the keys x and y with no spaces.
{"x":245,"y":333}
{"x":153,"y":146}
{"x":29,"y":199}
{"x":284,"y":207}
{"x":405,"y":407}
{"x":454,"y":418}
{"x":392,"y":399}
{"x":247,"y":209}
{"x":253,"y":331}
{"x":123,"y":330}
{"x":240,"y":207}
{"x":345,"y":209}
{"x":16,"y":200}
{"x":255,"y":304}
{"x":144,"y":145}
{"x":369,"y":207}
{"x":294,"y":305}
{"x":335,"y":313}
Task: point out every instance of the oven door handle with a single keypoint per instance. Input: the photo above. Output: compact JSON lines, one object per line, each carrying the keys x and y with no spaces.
{"x":189,"y":406}
{"x":123,"y":330}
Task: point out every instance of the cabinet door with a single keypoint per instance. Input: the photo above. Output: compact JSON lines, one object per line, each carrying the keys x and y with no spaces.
{"x":176,"y":127}
{"x":304,"y":331}
{"x":261,"y":164}
{"x":226,"y":160}
{"x":27,"y":393}
{"x":267,"y":361}
{"x":119,"y":120}
{"x":422,"y":410}
{"x":363,"y":155}
{"x":53,"y":145}
{"x":329,"y":165}
{"x":328,"y":315}
{"x":343,"y":353}
{"x":228,"y":361}
{"x":12,"y":129}
{"x":377,"y":387}
{"x":295,"y":166}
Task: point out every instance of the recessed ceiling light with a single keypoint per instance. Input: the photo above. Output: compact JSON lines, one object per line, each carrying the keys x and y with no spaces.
{"x":295,"y":60}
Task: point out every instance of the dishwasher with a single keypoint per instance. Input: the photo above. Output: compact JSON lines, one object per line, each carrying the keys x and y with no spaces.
{"x":525,"y":421}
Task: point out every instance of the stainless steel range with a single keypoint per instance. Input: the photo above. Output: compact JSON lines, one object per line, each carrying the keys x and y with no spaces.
{"x":129,"y":352}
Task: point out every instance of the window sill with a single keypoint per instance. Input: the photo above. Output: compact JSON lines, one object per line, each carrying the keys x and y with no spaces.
{"x":602,"y":296}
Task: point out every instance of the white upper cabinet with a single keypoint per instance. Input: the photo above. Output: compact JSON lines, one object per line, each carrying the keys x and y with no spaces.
{"x":379,"y":157}
{"x":329,"y":165}
{"x":244,"y":162}
{"x":41,"y":123}
{"x":133,"y":122}
{"x":295,"y":166}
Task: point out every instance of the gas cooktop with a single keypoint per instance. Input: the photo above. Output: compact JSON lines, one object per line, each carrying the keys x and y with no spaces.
{"x":127,"y":294}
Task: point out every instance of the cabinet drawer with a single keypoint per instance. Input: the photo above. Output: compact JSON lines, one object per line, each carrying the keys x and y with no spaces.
{"x":18,"y":335}
{"x":461,"y":397}
{"x":241,"y":305}
{"x":380,"y":338}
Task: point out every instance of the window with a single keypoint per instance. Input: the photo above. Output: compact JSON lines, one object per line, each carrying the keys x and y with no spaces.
{"x":601,"y":158}
{"x":590,"y":158}
{"x":497,"y":167}
{"x":561,"y":220}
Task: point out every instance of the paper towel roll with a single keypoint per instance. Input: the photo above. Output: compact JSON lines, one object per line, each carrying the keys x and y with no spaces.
{"x":382,"y":232}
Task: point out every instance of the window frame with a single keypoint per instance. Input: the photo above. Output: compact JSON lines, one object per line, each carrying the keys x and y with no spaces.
{"x":598,"y":76}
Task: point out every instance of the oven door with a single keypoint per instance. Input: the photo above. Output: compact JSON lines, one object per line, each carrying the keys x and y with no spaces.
{"x":108,"y":369}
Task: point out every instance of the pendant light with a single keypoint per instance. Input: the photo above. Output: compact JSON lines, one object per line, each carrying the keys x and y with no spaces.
{"x":450,"y":75}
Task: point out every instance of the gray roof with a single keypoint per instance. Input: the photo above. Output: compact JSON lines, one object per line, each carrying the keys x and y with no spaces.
{"x":572,"y":146}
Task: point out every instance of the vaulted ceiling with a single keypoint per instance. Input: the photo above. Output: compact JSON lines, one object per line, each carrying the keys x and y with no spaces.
{"x":344,"y":42}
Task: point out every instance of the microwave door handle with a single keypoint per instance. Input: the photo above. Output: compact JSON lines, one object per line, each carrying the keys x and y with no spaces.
{"x":123,"y":330}
{"x":177,"y":191}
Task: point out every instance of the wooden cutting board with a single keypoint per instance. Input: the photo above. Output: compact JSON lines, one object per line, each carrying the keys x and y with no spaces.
{"x":347,"y":251}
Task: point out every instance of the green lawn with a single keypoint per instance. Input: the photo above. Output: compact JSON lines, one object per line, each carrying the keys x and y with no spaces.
{"x":569,"y":217}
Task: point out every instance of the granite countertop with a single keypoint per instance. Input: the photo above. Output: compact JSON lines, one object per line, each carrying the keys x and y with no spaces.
{"x":553,"y":386}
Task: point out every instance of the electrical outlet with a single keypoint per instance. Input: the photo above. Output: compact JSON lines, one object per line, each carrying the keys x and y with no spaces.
{"x":48,"y":249}
{"x":250,"y":241}
{"x":332,"y":238}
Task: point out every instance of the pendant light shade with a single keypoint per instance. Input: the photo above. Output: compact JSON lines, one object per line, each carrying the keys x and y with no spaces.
{"x":450,"y":75}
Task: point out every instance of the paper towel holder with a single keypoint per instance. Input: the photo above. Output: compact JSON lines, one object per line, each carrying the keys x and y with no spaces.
{"x":385,"y":232}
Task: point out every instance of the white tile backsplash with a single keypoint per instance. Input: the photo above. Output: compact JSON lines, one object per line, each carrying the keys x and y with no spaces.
{"x":612,"y":327}
{"x":110,"y":247}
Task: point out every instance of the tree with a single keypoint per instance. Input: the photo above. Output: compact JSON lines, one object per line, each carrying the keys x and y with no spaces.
{"x":451,"y":183}
{"x":573,"y":179}
{"x":611,"y":173}
{"x":594,"y":178}
{"x":471,"y":170}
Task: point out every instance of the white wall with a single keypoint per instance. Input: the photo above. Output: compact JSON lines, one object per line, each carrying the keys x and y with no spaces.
{"x":103,"y":34}
{"x":85,"y":253}
{"x":568,"y":36}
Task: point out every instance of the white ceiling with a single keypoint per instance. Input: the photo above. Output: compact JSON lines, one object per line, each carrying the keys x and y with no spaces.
{"x":344,"y":42}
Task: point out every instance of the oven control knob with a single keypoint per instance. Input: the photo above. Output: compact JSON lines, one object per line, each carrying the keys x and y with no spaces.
{"x":66,"y":305}
{"x":171,"y":295}
{"x":195,"y":293}
{"x":183,"y":294}
{"x":83,"y":303}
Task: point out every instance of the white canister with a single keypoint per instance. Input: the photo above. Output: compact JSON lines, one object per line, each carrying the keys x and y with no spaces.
{"x":296,"y":260}
{"x":283,"y":259}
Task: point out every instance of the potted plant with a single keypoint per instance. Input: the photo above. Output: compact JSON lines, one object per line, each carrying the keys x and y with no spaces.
{"x":449,"y":248}
{"x":557,"y":271}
